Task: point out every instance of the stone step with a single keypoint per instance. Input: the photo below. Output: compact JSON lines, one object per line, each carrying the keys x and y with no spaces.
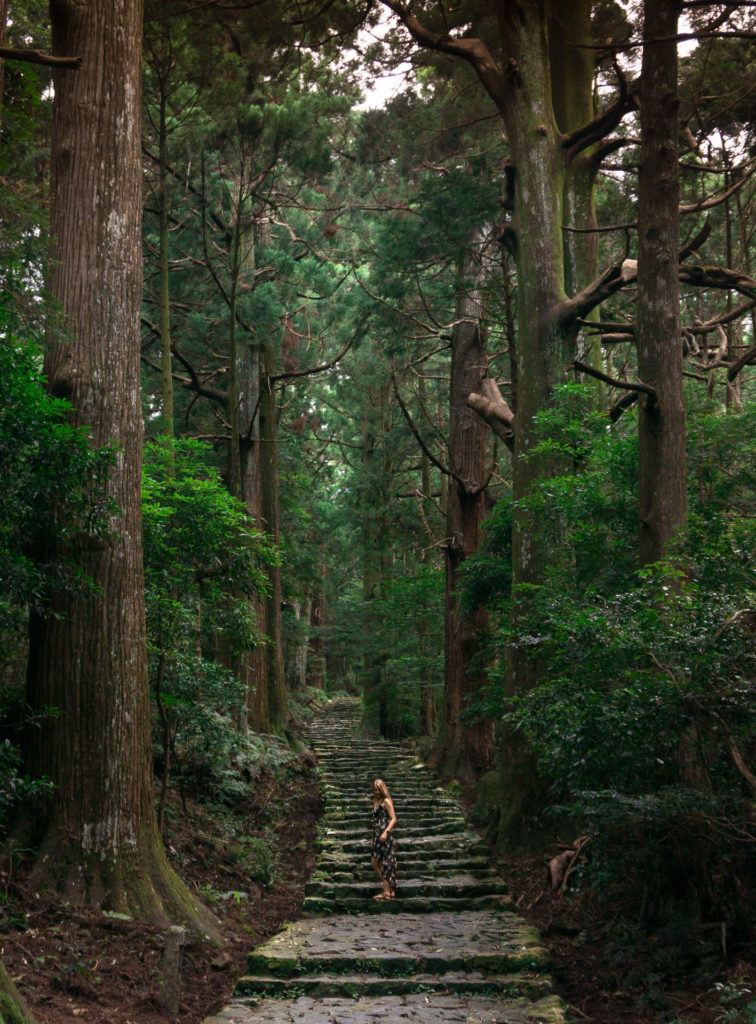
{"x":409,"y":1009}
{"x":434,"y":864}
{"x":414,"y":870}
{"x":338,"y":804}
{"x":414,"y":845}
{"x":442,"y":860}
{"x":439,"y":828}
{"x":461,"y":885}
{"x":416,"y":815}
{"x":404,"y":905}
{"x":401,"y":946}
{"x":523,"y":984}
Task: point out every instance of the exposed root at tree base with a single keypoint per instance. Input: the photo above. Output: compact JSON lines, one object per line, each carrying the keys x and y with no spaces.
{"x":107,"y":969}
{"x":140,"y":884}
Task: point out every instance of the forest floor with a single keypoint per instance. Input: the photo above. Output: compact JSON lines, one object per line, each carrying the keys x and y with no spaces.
{"x":608,"y":971}
{"x":71,"y":964}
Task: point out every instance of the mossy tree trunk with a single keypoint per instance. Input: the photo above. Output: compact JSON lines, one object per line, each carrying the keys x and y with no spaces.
{"x":13,"y":1009}
{"x":516,"y":72}
{"x":465,"y":747}
{"x":98,"y":838}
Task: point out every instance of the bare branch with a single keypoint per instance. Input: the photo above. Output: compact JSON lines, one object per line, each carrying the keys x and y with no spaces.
{"x":749,"y":356}
{"x":611,"y":281}
{"x":419,"y":438}
{"x":721,"y":197}
{"x":625,"y":385}
{"x":323,"y":366}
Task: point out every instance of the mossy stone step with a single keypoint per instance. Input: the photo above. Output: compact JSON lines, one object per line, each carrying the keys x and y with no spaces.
{"x":455,"y":856}
{"x":404,"y":905}
{"x":414,"y":845}
{"x":409,"y":1009}
{"x":451,"y":948}
{"x":415,"y":819}
{"x":416,"y":869}
{"x":462,"y":885}
{"x":523,"y":983}
{"x":465,"y":940}
{"x":351,"y":832}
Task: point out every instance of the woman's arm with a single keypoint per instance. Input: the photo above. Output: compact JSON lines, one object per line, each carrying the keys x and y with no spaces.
{"x":389,"y":805}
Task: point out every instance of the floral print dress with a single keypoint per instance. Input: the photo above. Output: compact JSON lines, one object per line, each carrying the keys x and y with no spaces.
{"x":384,"y":852}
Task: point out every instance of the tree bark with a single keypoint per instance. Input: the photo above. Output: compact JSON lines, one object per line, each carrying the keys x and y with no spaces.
{"x":297,"y":665}
{"x":249,"y":376}
{"x":572,"y":72}
{"x":166,"y":357}
{"x":465,"y":747}
{"x":375,"y":470}
{"x":99,"y":840}
{"x":13,"y":1009}
{"x":662,"y":479}
{"x":271,"y":519}
{"x":316,"y":661}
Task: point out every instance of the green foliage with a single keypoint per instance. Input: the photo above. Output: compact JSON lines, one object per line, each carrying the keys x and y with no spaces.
{"x":53,"y":488}
{"x":410,"y":658}
{"x":259,"y":859}
{"x":202,"y":564}
{"x":645,"y":676}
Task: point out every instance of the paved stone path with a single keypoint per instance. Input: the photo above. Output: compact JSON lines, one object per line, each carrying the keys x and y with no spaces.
{"x":448,"y":948}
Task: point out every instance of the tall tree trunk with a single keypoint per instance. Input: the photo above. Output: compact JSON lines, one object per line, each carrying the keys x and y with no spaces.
{"x":254,"y":667}
{"x":99,"y":840}
{"x":271,"y":519}
{"x":662,"y":479}
{"x":465,"y":747}
{"x":297,"y":666}
{"x":166,"y":357}
{"x":316,"y":663}
{"x":572,"y":66}
{"x":374,"y":501}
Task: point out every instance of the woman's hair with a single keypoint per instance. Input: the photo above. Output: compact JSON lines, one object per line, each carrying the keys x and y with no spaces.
{"x":382,"y":788}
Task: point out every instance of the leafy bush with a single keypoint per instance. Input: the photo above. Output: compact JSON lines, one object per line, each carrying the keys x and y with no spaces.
{"x":202,"y":564}
{"x":644,"y":716}
{"x":53,"y":488}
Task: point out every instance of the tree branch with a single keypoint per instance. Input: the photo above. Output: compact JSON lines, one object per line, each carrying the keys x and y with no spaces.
{"x":419,"y":438}
{"x":721,"y":197}
{"x":576,"y":141}
{"x":625,"y":385}
{"x":749,"y":356}
{"x":611,"y":281}
{"x":474,"y":51}
{"x":38,"y":57}
{"x":701,"y":276}
{"x":323,"y":366}
{"x":493,"y":409}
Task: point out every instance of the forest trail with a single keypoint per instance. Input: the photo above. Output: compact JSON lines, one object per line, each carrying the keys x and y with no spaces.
{"x":449,"y":948}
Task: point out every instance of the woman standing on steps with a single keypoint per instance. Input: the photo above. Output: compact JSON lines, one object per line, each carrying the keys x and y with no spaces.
{"x":384,"y":854}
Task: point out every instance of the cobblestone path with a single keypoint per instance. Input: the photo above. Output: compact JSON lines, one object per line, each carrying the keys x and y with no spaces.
{"x":448,"y":948}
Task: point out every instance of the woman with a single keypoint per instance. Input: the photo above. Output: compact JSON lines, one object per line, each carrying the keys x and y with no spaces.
{"x":384,"y":855}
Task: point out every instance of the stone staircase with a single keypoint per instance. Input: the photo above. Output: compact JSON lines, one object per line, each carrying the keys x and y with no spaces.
{"x":448,"y":948}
